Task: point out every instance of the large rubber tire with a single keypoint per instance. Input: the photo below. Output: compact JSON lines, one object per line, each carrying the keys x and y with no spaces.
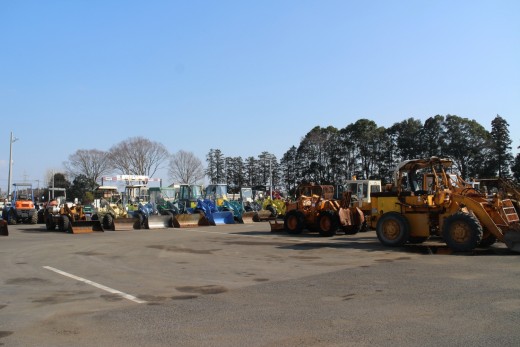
{"x":64,"y":223}
{"x":49,"y":223}
{"x":393,"y":229}
{"x":328,"y":223}
{"x":272,"y":209}
{"x":12,"y":218}
{"x":140,"y":222}
{"x":294,"y":222}
{"x":462,"y":232}
{"x":171,"y":214}
{"x":108,"y":222}
{"x":34,"y":218}
{"x":41,"y":216}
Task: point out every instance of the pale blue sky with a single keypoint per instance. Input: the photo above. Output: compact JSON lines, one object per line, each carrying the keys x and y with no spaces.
{"x":243,"y":76}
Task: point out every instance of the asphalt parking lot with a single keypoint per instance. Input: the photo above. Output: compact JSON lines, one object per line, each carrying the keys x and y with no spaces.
{"x":241,"y":285}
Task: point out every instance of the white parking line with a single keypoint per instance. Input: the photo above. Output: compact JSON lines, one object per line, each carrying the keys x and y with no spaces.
{"x":100,"y":286}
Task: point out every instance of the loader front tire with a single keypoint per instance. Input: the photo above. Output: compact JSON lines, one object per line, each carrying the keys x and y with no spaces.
{"x":294,"y":222}
{"x":140,"y":222}
{"x":64,"y":223}
{"x":108,"y":222}
{"x":12,"y":219}
{"x":328,"y":223}
{"x":49,"y":223}
{"x":272,"y":209}
{"x":462,"y":232}
{"x":393,"y":229}
{"x":34,"y":218}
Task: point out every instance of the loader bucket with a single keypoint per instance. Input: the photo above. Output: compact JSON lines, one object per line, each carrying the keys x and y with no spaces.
{"x":189,"y":220}
{"x":224,"y":217}
{"x":276,"y":225}
{"x":351,"y":220}
{"x":85,"y":226}
{"x":512,"y":240}
{"x":264,"y":215}
{"x":159,"y":222}
{"x":249,"y":217}
{"x":124,"y":224}
{"x":3,"y":228}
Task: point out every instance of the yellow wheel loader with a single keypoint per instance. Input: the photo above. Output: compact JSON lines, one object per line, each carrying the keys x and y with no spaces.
{"x":186,"y":202}
{"x":70,"y":218}
{"x":316,"y":210}
{"x":425,"y":200}
{"x":110,"y":210}
{"x":76,"y":219}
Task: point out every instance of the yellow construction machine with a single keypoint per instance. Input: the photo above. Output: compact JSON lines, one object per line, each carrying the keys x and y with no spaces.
{"x":361,"y":190}
{"x":271,"y":203}
{"x":425,"y":199}
{"x":315,"y":209}
{"x":71,"y":218}
{"x":188,"y":216}
{"x":77,"y":219}
{"x":244,"y":205}
{"x":110,"y":210}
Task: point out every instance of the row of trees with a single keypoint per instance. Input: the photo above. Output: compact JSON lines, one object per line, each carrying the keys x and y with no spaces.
{"x":366,"y":150}
{"x":324,"y":155}
{"x":134,"y":156}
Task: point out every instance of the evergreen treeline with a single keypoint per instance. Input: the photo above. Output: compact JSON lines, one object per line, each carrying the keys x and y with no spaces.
{"x":366,"y":150}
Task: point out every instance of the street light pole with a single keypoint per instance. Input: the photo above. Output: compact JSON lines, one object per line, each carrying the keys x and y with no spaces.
{"x":271,"y":176}
{"x":12,"y":140}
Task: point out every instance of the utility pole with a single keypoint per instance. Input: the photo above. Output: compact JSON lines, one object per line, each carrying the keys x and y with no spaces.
{"x":271,"y":175}
{"x":11,"y":141}
{"x":38,"y":189}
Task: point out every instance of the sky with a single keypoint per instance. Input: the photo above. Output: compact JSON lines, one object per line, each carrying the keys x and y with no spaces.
{"x":242,"y":76}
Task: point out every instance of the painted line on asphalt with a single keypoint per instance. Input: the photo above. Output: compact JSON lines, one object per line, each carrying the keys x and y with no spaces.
{"x":97,"y":285}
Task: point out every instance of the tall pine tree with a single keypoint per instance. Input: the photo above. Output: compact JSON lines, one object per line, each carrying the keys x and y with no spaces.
{"x":501,"y":146}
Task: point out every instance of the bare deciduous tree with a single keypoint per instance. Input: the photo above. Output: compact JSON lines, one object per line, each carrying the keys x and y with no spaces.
{"x":185,"y":168}
{"x":91,"y":163}
{"x":138,"y":156}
